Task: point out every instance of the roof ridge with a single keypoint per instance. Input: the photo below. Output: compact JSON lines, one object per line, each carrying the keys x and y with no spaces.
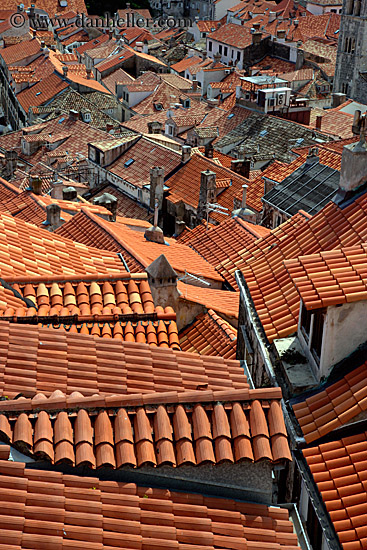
{"x":220,"y":321}
{"x":58,"y":401}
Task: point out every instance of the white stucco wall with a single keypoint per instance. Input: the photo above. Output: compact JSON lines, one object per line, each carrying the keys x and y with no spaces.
{"x":225,"y":58}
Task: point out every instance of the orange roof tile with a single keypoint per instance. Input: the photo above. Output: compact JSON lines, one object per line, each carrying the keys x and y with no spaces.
{"x":133,"y":243}
{"x":14,"y":54}
{"x":277,"y":301}
{"x":209,"y":334}
{"x":119,"y":434}
{"x":185,"y":63}
{"x":233,"y":35}
{"x":123,"y":515}
{"x":338,"y":468}
{"x":28,"y":250}
{"x":332,"y":407}
{"x":36,"y":359}
{"x":115,"y":307}
{"x":222,"y":301}
{"x":51,"y":7}
{"x":330,"y":277}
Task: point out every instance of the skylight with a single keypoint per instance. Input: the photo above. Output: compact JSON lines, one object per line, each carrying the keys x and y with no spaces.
{"x":61,"y":120}
{"x":299,"y":141}
{"x":231,"y":115}
{"x":128,"y":163}
{"x":263,"y":133}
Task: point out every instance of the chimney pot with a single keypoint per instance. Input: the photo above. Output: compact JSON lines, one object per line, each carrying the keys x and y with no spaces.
{"x":69,"y":194}
{"x":53,"y":212}
{"x":36,"y":185}
{"x":244,"y":196}
{"x":318,"y":122}
{"x":73,"y":115}
{"x":185,"y":153}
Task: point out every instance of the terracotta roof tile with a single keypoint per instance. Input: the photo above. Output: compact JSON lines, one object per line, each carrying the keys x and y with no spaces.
{"x":26,"y":48}
{"x":325,"y":231}
{"x":334,"y":406}
{"x":26,"y":250}
{"x":233,"y":35}
{"x":133,"y":245}
{"x":96,"y":365}
{"x":344,"y":494}
{"x":120,"y":515}
{"x":221,"y":301}
{"x":342,"y":272}
{"x":209,"y":334}
{"x":152,"y":434}
{"x":221,"y":241}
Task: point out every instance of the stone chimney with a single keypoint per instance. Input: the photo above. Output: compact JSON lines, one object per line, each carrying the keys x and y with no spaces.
{"x":154,"y":233}
{"x":155,"y":127}
{"x":89,"y":73}
{"x":272,"y":16}
{"x":35,"y":185}
{"x":300,"y":59}
{"x":217,"y":58}
{"x":109,"y":127}
{"x":353,"y":171}
{"x":69,"y":194}
{"x":242,"y":167}
{"x":194,"y":84}
{"x":185,"y":153}
{"x":109,"y":202}
{"x":208,"y":191}
{"x":179,"y":227}
{"x":209,"y":150}
{"x":162,"y":279}
{"x":11,"y":159}
{"x":337,"y":99}
{"x":156,"y":188}
{"x":65,"y":71}
{"x":318,"y":122}
{"x":256,"y":37}
{"x":53,"y":220}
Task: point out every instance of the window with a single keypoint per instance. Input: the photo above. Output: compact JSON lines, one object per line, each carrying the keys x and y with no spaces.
{"x":225,"y":50}
{"x":238,"y":56}
{"x":220,"y":49}
{"x":210,"y":46}
{"x":232,"y":54}
{"x":317,"y":332}
{"x":333,"y":11}
{"x":305,"y":322}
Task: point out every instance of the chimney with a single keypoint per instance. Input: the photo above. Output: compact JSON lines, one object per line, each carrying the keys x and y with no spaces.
{"x":318,"y":122}
{"x":312,"y":157}
{"x":156,"y":188}
{"x":155,"y":127}
{"x":245,"y":168}
{"x":127,"y":6}
{"x":69,"y":194}
{"x":272,"y":16}
{"x":154,"y":233}
{"x":194,"y":83}
{"x":207,"y":195}
{"x":109,"y":202}
{"x":73,"y":115}
{"x":281,"y":35}
{"x":185,"y":153}
{"x":162,"y":280}
{"x":43,"y":44}
{"x":268,"y":185}
{"x":337,"y":99}
{"x":353,"y":171}
{"x":31,"y":12}
{"x":209,"y":150}
{"x":244,"y":196}
{"x":109,"y":127}
{"x":256,"y":37}
{"x":65,"y":70}
{"x":35,"y":184}
{"x":11,"y":158}
{"x":53,"y":220}
{"x":236,"y":165}
{"x":217,"y":58}
{"x":244,"y":212}
{"x":89,"y":73}
{"x":179,"y":227}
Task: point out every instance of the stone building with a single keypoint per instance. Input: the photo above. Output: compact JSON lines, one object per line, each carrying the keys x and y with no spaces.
{"x":351,"y":64}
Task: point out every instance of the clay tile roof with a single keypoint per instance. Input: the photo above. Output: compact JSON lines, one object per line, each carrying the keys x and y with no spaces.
{"x":277,"y":303}
{"x":153,"y":430}
{"x":224,"y":240}
{"x":126,"y":207}
{"x":233,"y":35}
{"x":210,"y":335}
{"x":330,"y":277}
{"x":185,"y":63}
{"x":49,"y":360}
{"x":338,"y":469}
{"x":118,"y":307}
{"x":333,"y":406}
{"x":137,"y":251}
{"x":14,"y":54}
{"x":222,"y":301}
{"x":28,"y":250}
{"x":51,"y":7}
{"x":184,"y":184}
{"x":123,"y":515}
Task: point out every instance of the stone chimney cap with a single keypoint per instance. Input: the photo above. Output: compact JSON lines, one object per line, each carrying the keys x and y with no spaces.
{"x":161,"y":269}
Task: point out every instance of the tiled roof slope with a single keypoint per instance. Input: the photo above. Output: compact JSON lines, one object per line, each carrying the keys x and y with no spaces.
{"x":133,"y":243}
{"x":221,"y":241}
{"x":121,"y":515}
{"x":209,"y":334}
{"x":339,"y":470}
{"x":51,"y":7}
{"x":221,"y":301}
{"x":26,"y":250}
{"x":126,"y":207}
{"x":247,"y":425}
{"x":332,"y":277}
{"x":334,"y":406}
{"x":184,"y":185}
{"x":114,"y":307}
{"x":34,"y":359}
{"x":17,"y":52}
{"x":272,"y":290}
{"x":41,"y":92}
